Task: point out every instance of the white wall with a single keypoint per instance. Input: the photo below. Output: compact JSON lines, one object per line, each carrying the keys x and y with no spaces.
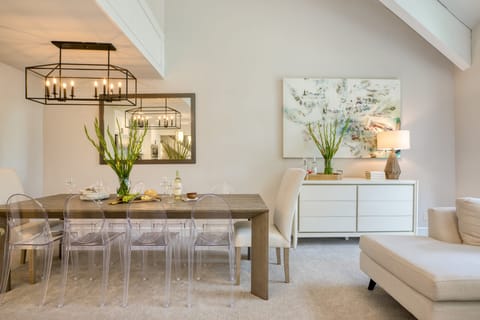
{"x":234,"y":55}
{"x":467,"y":115}
{"x":21,"y":125}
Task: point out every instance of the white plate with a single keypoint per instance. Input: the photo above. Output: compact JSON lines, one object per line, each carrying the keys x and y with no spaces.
{"x":94,"y":196}
{"x":188,"y":199}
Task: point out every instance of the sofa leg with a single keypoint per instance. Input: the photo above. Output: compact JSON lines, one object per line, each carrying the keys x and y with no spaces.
{"x":371,"y":285}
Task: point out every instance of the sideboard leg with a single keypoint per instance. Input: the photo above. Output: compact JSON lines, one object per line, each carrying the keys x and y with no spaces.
{"x":371,"y":285}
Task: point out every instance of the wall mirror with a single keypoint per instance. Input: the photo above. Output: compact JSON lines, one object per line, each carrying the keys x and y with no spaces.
{"x":170,"y":118}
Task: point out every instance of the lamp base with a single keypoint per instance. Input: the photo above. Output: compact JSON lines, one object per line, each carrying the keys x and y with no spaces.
{"x":392,"y":168}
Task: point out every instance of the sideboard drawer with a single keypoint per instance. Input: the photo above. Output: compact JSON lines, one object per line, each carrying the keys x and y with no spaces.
{"x":331,"y":193}
{"x":385,"y":193}
{"x":327,"y":224}
{"x":375,"y":223}
{"x":385,"y":208}
{"x":328,"y":208}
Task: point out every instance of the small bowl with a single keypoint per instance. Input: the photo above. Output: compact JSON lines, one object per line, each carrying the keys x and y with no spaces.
{"x":191,"y":195}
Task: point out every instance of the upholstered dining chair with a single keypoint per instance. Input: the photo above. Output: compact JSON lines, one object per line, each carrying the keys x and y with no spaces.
{"x":280,"y":232}
{"x":10,"y":183}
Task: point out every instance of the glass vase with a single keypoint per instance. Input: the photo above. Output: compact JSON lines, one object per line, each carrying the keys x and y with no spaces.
{"x":124,"y":188}
{"x":328,"y":166}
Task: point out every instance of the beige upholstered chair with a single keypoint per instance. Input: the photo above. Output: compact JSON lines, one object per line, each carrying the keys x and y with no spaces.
{"x":279,"y":235}
{"x":10,"y":184}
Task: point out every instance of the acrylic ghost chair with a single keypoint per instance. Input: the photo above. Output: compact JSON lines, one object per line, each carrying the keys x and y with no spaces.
{"x":10,"y":183}
{"x":149,"y":236}
{"x":279,"y":234}
{"x":87,"y":235}
{"x":27,"y":229}
{"x":214,"y":235}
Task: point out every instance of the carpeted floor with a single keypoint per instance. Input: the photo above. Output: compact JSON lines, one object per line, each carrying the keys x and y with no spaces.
{"x":326,"y":283}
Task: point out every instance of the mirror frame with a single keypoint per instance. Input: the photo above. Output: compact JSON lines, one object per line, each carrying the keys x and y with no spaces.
{"x":193,"y":152}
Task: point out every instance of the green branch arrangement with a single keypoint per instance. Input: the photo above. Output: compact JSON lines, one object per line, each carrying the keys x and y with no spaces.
{"x":177,"y":150}
{"x":327,"y":139}
{"x":121,"y":159}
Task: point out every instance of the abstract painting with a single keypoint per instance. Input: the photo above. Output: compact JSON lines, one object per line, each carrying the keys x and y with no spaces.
{"x":372,"y":105}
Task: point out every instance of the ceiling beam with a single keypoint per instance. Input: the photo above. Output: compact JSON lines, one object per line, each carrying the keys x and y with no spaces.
{"x":141,"y":26}
{"x":438,"y":26}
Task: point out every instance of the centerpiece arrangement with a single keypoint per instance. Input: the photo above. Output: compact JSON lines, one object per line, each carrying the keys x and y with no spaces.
{"x":328,"y":137}
{"x":122,"y":156}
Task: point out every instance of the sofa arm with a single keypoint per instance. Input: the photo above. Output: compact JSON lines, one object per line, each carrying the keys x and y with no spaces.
{"x":443,"y":224}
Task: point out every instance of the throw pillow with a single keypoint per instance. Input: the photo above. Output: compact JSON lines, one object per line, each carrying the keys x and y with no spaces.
{"x":468,"y":214}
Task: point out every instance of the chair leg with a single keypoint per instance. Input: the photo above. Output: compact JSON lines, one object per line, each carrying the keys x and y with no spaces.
{"x":126,"y":274}
{"x":279,"y":259}
{"x":286,"y":262}
{"x":65,"y":254}
{"x":47,"y":268}
{"x":106,"y":267}
{"x":168,"y":274}
{"x":5,"y":278}
{"x":238,"y":258}
{"x":23,"y":256}
{"x":31,"y":265}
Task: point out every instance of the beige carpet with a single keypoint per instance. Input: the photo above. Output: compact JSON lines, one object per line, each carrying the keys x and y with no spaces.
{"x":326,"y":283}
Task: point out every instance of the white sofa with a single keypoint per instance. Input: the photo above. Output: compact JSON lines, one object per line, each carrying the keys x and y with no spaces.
{"x":434,"y":277}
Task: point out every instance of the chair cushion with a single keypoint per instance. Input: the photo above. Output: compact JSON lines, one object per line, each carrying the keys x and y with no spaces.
{"x":468,"y":214}
{"x":439,"y":270}
{"x":243,"y":236}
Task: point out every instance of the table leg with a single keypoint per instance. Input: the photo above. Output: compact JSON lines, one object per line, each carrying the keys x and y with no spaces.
{"x":259,"y":281}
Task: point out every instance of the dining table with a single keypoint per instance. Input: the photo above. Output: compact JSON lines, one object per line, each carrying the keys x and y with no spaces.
{"x":242,"y":206}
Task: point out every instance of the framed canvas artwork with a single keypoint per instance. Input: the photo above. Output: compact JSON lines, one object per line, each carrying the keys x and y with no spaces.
{"x":372,"y":105}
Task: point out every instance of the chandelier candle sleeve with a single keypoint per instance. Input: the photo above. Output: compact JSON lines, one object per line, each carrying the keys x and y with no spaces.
{"x":72,"y":91}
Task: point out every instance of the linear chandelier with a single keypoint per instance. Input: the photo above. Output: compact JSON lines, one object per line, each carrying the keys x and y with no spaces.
{"x":154,"y":117}
{"x":80,"y":83}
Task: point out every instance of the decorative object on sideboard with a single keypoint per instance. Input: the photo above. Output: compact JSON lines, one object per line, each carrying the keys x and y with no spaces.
{"x":393,"y":140}
{"x":73,"y":83}
{"x":375,"y":175}
{"x":120,"y":157}
{"x":323,"y":176}
{"x":328,"y":138}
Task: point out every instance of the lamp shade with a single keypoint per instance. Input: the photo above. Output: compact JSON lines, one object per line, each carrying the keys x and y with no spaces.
{"x":396,"y":139}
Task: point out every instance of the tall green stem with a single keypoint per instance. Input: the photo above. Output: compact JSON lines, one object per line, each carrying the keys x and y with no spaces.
{"x":328,"y":166}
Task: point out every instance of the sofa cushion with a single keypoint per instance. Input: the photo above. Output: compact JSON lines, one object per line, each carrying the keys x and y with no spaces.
{"x":468,"y":214}
{"x":439,"y":270}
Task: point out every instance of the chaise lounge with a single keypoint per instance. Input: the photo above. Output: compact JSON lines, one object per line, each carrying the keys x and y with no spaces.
{"x":434,"y":277}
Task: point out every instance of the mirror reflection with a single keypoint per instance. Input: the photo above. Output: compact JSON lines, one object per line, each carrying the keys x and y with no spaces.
{"x":170,"y":122}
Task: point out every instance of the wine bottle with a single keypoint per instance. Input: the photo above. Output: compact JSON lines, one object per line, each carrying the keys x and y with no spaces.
{"x":177,"y":187}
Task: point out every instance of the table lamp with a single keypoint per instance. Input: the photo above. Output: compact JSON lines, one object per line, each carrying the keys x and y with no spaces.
{"x":393,"y":140}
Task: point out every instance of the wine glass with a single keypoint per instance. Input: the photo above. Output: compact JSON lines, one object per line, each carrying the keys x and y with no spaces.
{"x":166,"y":185}
{"x":70,"y":183}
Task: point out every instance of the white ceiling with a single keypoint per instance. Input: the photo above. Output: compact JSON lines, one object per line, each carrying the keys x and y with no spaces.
{"x":27,"y":28}
{"x":467,"y":11}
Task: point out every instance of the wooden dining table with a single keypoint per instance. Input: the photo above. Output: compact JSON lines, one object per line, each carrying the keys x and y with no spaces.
{"x":243,"y":206}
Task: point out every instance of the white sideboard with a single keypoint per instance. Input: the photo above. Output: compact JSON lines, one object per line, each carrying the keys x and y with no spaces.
{"x":352,"y":207}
